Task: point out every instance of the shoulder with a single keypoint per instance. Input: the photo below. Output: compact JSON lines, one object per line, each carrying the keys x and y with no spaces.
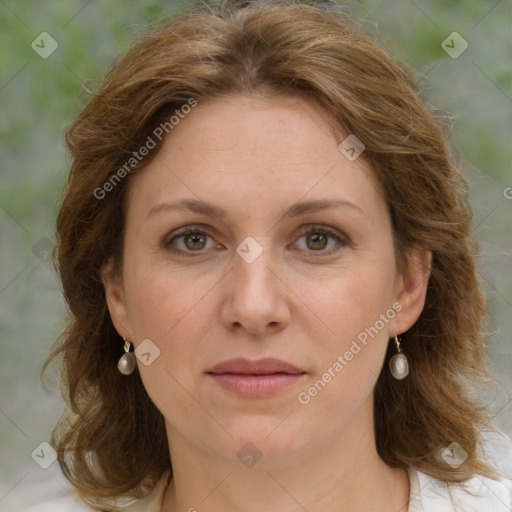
{"x":478,"y":494}
{"x":61,"y":504}
{"x":71,"y":503}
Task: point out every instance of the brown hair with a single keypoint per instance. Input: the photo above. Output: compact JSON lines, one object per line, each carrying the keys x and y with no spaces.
{"x":111,"y":442}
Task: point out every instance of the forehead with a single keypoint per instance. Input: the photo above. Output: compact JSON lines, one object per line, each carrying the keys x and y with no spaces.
{"x":248,"y":151}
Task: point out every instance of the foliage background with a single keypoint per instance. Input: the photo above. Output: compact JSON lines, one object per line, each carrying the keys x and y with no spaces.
{"x":39,"y":97}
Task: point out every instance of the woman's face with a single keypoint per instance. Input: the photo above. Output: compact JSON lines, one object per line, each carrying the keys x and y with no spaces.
{"x":292,"y":259}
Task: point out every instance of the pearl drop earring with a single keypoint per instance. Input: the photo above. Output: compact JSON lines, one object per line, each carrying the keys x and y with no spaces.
{"x":126,"y":363}
{"x":398,"y":364}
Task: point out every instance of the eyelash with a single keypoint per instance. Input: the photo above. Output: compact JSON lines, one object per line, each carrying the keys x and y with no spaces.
{"x":305,"y":230}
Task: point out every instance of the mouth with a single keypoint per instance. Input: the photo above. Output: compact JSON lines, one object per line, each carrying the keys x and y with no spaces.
{"x":265,"y":366}
{"x":255,"y":379}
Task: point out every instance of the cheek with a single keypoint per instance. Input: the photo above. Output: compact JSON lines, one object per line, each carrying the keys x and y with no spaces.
{"x":350,"y":359}
{"x":354,"y":300}
{"x":158,"y":297}
{"x":169,"y":310}
{"x":357,"y":310}
{"x":175,"y":310}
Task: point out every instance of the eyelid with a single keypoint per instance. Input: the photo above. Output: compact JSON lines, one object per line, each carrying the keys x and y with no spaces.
{"x":335,"y":233}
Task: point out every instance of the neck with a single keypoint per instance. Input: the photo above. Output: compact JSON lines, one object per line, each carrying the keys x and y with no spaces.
{"x":336,"y":475}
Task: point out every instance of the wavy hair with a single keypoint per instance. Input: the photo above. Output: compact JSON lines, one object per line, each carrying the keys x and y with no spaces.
{"x":111,"y":441}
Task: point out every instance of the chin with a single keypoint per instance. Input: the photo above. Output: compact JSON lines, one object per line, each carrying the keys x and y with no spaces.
{"x":269,"y":439}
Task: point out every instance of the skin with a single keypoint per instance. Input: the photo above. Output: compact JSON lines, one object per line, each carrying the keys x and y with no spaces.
{"x":254,"y":157}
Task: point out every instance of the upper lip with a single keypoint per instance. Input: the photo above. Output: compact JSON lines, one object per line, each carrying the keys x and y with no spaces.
{"x":265,"y":366}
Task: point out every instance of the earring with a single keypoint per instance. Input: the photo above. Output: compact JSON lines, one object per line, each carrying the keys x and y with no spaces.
{"x":126,"y":363}
{"x":398,"y":364}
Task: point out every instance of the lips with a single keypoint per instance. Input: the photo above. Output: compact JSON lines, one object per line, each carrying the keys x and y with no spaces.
{"x":255,"y":379}
{"x":265,"y":366}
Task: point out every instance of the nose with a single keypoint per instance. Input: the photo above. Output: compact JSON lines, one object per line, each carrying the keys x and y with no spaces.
{"x":255,"y":297}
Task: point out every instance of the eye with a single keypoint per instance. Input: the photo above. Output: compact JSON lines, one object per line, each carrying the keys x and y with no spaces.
{"x":317,"y":239}
{"x":195,"y":240}
{"x":188,"y":240}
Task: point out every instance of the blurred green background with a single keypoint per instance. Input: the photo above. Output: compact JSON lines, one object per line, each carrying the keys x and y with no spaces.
{"x":40,"y":96}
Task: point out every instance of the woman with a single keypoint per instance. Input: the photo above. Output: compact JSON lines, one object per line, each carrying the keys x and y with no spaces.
{"x":266,"y":250}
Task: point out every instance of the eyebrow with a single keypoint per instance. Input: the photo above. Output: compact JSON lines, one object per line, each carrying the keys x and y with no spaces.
{"x":296,"y":209}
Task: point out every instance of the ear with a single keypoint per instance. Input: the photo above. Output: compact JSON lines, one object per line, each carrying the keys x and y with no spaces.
{"x":115,"y":297}
{"x":411,"y":289}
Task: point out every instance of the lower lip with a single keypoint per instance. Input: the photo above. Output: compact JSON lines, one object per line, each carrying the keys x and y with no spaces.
{"x":256,"y":386}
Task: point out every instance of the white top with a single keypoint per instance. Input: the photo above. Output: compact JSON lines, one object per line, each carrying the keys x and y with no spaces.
{"x":428,"y":494}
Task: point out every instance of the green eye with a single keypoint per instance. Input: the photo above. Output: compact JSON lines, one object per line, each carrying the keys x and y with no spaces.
{"x":193,"y":241}
{"x":317,"y":239}
{"x":189,"y":240}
